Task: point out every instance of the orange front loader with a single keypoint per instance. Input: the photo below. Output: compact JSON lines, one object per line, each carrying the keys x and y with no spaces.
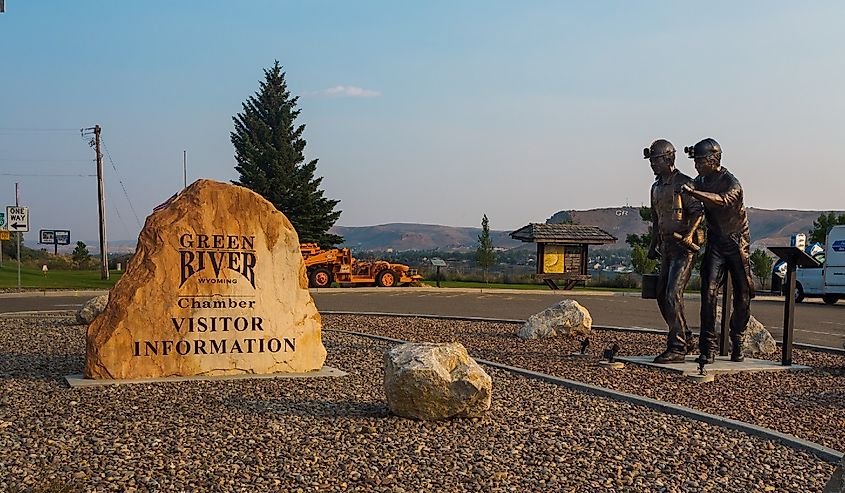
{"x":338,"y":264}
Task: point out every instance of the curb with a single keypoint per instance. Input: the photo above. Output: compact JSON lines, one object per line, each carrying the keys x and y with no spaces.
{"x":430,"y":289}
{"x":44,"y":293}
{"x":827,"y":454}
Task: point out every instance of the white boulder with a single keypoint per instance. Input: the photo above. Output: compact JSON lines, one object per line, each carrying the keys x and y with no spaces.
{"x":91,"y":309}
{"x":757,"y":341}
{"x":435,"y":381}
{"x":567,"y":318}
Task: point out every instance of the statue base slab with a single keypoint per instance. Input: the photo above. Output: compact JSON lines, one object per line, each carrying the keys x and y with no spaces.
{"x":723,"y":364}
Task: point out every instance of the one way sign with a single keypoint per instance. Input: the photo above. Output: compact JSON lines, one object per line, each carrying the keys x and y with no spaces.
{"x":17,"y":218}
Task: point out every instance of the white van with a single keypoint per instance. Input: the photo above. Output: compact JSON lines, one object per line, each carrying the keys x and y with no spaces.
{"x":827,"y":281}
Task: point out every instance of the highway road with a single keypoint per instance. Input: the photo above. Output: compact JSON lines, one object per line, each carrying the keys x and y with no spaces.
{"x":815,"y":323}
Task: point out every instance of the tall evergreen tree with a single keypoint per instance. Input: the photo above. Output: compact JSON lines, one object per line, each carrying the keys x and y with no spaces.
{"x":761,"y":266}
{"x":271,"y":162}
{"x":80,"y":254}
{"x":823,"y":225}
{"x":484,"y":254}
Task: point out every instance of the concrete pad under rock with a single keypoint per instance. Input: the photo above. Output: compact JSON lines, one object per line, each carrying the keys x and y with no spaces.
{"x":696,"y":378}
{"x":723,"y":364}
{"x":612,"y":365}
{"x":79,"y":381}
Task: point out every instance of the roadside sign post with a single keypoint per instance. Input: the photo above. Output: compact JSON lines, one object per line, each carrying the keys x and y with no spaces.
{"x":18,"y":219}
{"x":794,"y":257}
{"x":54,"y":237}
{"x":437,"y":262}
{"x":4,"y":234}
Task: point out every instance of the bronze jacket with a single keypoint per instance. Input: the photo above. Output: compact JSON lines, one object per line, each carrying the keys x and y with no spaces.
{"x":727,"y":220}
{"x":671,"y":210}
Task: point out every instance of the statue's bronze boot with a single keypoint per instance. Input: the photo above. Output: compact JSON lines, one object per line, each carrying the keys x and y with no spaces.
{"x":736,"y":352}
{"x":707,"y":358}
{"x":670,"y":356}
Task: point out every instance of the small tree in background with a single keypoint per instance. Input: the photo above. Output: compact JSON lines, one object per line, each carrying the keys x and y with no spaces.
{"x":640,"y":261}
{"x":269,"y":150}
{"x":10,"y":246}
{"x":643,"y":240}
{"x":761,"y":266}
{"x":484,"y":254}
{"x":80,"y":254}
{"x":823,"y":225}
{"x":639,"y":245}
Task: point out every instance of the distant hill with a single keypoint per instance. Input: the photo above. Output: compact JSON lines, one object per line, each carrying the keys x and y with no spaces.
{"x":768,"y":227}
{"x":407,"y":236}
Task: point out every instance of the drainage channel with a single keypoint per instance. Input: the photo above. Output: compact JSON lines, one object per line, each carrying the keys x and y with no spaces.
{"x":827,"y":454}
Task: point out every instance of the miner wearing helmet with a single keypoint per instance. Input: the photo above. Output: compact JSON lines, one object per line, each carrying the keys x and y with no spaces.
{"x":728,"y":244}
{"x":675,"y":218}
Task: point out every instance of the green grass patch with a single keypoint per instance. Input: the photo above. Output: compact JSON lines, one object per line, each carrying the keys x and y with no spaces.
{"x":499,"y":285}
{"x":484,"y":285}
{"x":32,"y":278}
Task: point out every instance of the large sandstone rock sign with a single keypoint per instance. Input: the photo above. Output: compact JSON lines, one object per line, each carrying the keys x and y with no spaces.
{"x":217,"y":286}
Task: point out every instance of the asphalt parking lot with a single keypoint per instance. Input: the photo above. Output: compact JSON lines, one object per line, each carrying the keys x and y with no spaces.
{"x":815,"y":322}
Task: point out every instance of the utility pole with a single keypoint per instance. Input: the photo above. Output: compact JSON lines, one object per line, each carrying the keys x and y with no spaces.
{"x":104,"y":258}
{"x":17,"y":203}
{"x":185,"y":168}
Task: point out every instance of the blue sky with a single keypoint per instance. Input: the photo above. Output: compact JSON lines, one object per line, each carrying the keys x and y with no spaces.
{"x":432,"y":112}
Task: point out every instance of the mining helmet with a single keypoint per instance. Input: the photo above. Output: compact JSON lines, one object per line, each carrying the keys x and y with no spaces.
{"x":706,"y":148}
{"x":659,"y":148}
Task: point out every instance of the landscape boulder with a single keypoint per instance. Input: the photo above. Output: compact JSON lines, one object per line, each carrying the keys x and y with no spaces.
{"x":837,"y":481}
{"x":566,"y":318}
{"x":91,"y":309}
{"x":435,"y":381}
{"x":217,"y":286}
{"x":757,"y":341}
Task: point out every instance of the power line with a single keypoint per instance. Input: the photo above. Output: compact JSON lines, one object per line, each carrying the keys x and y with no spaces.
{"x":35,"y":129}
{"x":46,"y":174}
{"x":39,"y":160}
{"x":108,"y":154}
{"x":116,"y":211}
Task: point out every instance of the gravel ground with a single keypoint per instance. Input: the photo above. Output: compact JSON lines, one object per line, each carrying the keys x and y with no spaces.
{"x":336,"y":434}
{"x":807,"y":404}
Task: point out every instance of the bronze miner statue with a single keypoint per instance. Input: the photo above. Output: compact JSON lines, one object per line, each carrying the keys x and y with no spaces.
{"x":674,"y":239}
{"x":727,"y":250}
